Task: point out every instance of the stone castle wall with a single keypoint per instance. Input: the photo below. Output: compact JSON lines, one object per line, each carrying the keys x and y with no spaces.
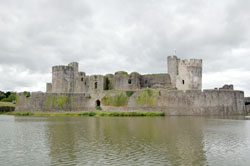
{"x":183,"y":75}
{"x":120,"y":81}
{"x":177,"y":92}
{"x":172,"y":102}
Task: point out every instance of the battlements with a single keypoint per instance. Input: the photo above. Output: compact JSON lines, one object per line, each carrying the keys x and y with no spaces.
{"x":81,"y":74}
{"x":75,"y":67}
{"x":62,"y":68}
{"x":73,"y":64}
{"x":191,"y":62}
{"x":180,"y":76}
{"x":184,"y":77}
{"x":173,"y":57}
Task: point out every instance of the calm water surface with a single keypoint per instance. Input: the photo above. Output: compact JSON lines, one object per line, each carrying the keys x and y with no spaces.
{"x":124,"y":141}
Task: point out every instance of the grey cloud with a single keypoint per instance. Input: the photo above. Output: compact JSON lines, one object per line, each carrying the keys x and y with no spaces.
{"x":107,"y":36}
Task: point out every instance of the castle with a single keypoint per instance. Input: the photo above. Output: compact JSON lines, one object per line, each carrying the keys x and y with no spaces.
{"x":183,"y":75}
{"x":178,"y":92}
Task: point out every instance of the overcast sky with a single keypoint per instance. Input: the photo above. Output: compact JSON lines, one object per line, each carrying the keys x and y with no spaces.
{"x":105,"y":36}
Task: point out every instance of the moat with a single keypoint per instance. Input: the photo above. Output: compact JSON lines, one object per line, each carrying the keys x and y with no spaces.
{"x":190,"y":140}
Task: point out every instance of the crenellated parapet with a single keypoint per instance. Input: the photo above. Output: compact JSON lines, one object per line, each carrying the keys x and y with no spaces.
{"x":191,"y":62}
{"x":62,"y":68}
{"x":182,"y":75}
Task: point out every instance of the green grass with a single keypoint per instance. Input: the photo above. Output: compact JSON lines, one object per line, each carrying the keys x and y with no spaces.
{"x":147,"y":97}
{"x":92,"y":113}
{"x":116,"y":100}
{"x":7,"y":104}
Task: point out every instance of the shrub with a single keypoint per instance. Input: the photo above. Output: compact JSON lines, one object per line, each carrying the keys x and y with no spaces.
{"x":130,"y":93}
{"x":2,"y":96}
{"x":6,"y":100}
{"x":27,"y":94}
{"x":7,"y":94}
{"x":98,"y":108}
{"x":147,"y":97}
{"x":61,"y":101}
{"x":92,"y":114}
{"x":10,"y":98}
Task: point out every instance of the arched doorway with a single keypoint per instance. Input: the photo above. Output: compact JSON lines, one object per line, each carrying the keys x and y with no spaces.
{"x":98,"y":105}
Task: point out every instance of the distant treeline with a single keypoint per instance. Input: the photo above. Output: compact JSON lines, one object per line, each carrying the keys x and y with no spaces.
{"x":7,"y":96}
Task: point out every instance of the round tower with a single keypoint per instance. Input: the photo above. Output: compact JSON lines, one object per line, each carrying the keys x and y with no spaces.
{"x":62,"y":79}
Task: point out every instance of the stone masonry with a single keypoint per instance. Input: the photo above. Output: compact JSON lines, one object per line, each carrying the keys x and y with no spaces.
{"x":183,"y":75}
{"x":178,"y":92}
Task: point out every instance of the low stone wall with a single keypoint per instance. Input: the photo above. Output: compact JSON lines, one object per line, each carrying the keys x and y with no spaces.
{"x":172,"y":102}
{"x":6,"y":109}
{"x":54,"y":102}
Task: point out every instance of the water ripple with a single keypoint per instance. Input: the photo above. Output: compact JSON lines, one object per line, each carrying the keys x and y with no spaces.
{"x":124,"y":141}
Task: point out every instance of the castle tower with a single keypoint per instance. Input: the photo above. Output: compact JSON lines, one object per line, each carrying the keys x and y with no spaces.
{"x":185,"y":74}
{"x":189,"y":75}
{"x":173,"y":62}
{"x":75,"y":68}
{"x":62,"y":79}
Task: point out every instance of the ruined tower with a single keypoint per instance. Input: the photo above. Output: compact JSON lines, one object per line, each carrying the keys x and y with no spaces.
{"x":63,"y":78}
{"x":185,"y":74}
{"x":75,"y":68}
{"x":173,"y":62}
{"x":182,"y":75}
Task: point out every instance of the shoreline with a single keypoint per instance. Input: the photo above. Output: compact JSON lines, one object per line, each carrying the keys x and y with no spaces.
{"x":90,"y":113}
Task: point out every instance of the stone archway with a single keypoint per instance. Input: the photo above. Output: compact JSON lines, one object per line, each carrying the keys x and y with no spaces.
{"x":97,"y":103}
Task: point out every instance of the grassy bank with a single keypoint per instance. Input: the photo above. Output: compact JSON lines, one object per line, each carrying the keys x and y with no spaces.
{"x":100,"y":113}
{"x":9,"y":104}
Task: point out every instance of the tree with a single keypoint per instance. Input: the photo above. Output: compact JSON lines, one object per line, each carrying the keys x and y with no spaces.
{"x":2,"y":96}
